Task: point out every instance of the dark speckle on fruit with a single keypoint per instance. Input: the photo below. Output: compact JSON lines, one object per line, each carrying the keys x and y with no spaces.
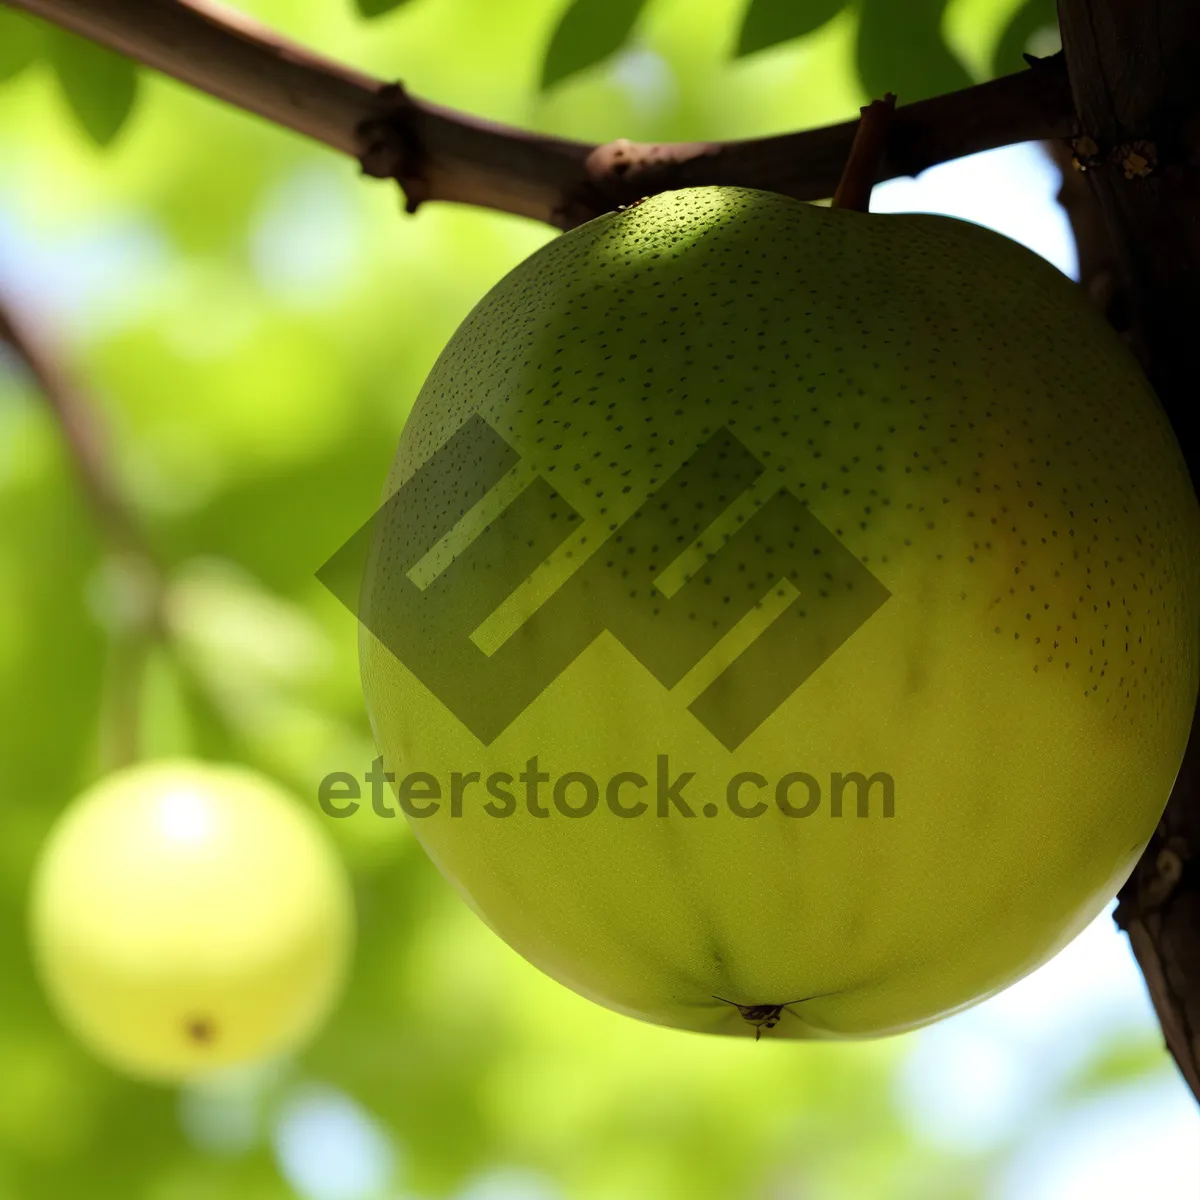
{"x":200,"y":1030}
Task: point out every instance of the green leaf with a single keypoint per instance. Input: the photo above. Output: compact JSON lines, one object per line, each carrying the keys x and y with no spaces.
{"x":376,"y":8}
{"x":769,"y":22}
{"x":588,"y":32}
{"x":100,"y":86}
{"x":1032,"y":16}
{"x":901,"y":50}
{"x":20,"y":43}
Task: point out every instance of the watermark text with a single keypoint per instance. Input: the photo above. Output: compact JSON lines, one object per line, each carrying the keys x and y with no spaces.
{"x":661,"y":792}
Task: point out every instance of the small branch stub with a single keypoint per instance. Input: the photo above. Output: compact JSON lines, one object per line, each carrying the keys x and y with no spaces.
{"x":866,"y":155}
{"x":1136,"y":160}
{"x":390,"y":146}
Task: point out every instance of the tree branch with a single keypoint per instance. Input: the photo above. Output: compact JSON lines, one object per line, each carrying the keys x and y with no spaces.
{"x":438,"y":154}
{"x":1135,"y":71}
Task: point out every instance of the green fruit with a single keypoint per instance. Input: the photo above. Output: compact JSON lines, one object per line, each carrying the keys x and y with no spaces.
{"x":187,"y":917}
{"x":991,"y":544}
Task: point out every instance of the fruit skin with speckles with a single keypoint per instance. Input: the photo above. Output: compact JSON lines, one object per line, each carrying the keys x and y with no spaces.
{"x":950,"y":409}
{"x":187,"y":917}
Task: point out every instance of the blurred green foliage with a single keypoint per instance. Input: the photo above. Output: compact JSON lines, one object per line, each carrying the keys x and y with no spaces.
{"x":253,"y":321}
{"x":1033,"y":18}
{"x":100,"y":86}
{"x":769,"y":22}
{"x":376,"y":8}
{"x":20,"y":42}
{"x":901,"y":49}
{"x":589,"y":32}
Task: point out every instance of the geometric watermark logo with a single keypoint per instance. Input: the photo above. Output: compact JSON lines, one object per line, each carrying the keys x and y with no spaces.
{"x":429,"y":628}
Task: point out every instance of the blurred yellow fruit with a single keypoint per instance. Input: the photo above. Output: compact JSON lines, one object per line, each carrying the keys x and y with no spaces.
{"x":187,"y":917}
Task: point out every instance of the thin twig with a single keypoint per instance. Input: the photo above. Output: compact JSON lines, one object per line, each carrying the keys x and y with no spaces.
{"x":438,"y":154}
{"x":862,"y":166}
{"x":134,"y":567}
{"x":81,"y":433}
